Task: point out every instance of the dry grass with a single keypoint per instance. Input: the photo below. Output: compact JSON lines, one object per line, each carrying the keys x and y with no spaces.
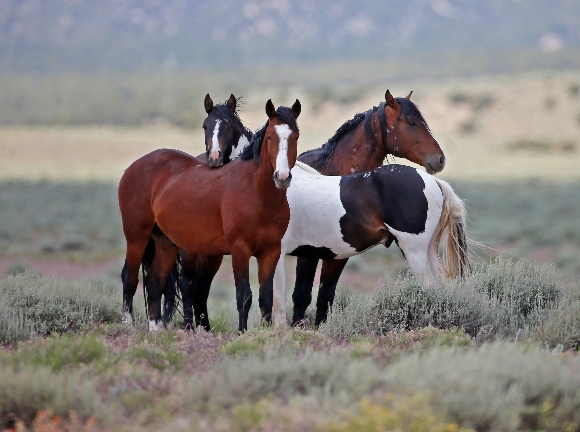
{"x":475,"y":120}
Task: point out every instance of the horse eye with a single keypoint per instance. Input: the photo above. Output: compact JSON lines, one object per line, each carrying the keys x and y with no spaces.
{"x":268,"y":137}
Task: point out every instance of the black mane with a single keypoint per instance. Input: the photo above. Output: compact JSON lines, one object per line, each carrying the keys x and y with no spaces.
{"x":252,"y":151}
{"x":223,"y":112}
{"x":409,"y":111}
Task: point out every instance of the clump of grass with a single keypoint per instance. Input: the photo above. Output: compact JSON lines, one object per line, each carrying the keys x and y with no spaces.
{"x":284,"y":374}
{"x":59,"y":352}
{"x":413,"y":413}
{"x":499,"y":386}
{"x":27,"y":389}
{"x":32,"y":304}
{"x":502,"y":300}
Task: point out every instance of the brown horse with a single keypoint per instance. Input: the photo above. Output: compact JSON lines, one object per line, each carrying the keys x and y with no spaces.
{"x":240,"y":209}
{"x":361,"y":144}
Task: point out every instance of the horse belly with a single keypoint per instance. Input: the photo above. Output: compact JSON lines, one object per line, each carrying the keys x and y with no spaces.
{"x":315,"y":212}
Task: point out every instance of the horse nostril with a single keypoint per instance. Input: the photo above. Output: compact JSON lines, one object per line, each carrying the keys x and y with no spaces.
{"x":442,"y":160}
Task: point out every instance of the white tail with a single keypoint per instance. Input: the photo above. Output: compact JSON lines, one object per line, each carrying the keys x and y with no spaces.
{"x":451,"y":231}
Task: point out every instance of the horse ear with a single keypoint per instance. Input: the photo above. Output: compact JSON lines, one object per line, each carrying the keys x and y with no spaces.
{"x":296,"y":108}
{"x":208,"y":104}
{"x":408,"y":97}
{"x":232,"y":103}
{"x":390,"y":100}
{"x":270,"y":109}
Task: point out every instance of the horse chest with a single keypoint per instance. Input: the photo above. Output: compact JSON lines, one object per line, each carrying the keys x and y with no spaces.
{"x":315,"y":213}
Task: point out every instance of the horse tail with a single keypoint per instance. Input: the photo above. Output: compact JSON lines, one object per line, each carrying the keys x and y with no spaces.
{"x":451,"y":232}
{"x":171,"y":285}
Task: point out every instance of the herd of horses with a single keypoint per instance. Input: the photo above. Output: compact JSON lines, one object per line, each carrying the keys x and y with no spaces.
{"x":251,"y":194}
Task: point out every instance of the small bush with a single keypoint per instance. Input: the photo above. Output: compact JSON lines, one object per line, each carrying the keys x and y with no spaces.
{"x":283,"y":374}
{"x":33,"y":304}
{"x":412,"y":413}
{"x":499,"y":387}
{"x":61,"y":352}
{"x":26,"y":390}
{"x":501,"y":300}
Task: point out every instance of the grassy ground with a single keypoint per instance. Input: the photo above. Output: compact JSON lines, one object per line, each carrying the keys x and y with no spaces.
{"x":490,"y":354}
{"x":496,"y":352}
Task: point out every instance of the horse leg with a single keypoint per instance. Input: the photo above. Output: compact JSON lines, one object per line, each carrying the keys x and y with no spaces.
{"x":331,"y":271}
{"x":267,"y":264}
{"x":279,"y":305}
{"x":165,"y":256}
{"x":187,"y":278}
{"x":207,"y":267}
{"x":417,"y":257}
{"x":302,"y":294}
{"x":241,"y":265}
{"x":130,"y":276}
{"x":434,"y":262}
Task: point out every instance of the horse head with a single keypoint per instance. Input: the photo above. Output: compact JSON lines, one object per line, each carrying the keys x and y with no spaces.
{"x":281,"y":141}
{"x":225,"y":136}
{"x":408,"y":135}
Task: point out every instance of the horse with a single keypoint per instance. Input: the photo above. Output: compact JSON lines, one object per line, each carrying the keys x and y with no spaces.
{"x":225,"y":139}
{"x":240,"y":209}
{"x":225,"y":135}
{"x":336,"y":217}
{"x":395,"y":127}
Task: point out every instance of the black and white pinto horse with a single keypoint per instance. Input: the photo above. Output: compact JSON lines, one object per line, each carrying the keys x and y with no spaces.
{"x":335,"y":217}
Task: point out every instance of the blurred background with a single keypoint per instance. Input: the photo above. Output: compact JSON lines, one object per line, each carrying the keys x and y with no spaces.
{"x":88,"y":87}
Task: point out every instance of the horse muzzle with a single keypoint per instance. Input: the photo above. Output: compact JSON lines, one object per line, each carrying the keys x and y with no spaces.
{"x":282,"y":183}
{"x":435,"y":165}
{"x":215,"y":162}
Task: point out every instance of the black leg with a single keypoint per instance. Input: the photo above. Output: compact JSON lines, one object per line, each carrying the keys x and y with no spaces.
{"x":302,"y":294}
{"x":186,"y":286}
{"x":207,"y":268}
{"x":331,"y":271}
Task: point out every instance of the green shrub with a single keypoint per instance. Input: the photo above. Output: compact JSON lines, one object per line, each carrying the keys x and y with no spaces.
{"x":25,"y":390}
{"x":499,"y":386}
{"x":61,"y":352}
{"x":284,"y":374}
{"x":31,"y":304}
{"x":500,"y":300}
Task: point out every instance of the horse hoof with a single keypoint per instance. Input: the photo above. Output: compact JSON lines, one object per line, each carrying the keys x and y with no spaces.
{"x":155,"y":326}
{"x":127,"y":318}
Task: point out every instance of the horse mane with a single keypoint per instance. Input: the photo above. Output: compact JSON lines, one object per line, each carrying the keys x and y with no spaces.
{"x":252,"y":151}
{"x":409,"y":111}
{"x":223,"y":112}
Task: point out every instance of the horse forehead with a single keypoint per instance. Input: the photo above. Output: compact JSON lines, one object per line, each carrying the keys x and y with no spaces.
{"x":283,"y":131}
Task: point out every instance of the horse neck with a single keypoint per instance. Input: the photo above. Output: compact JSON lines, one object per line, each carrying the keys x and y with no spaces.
{"x":352,"y":153}
{"x":264,"y":179}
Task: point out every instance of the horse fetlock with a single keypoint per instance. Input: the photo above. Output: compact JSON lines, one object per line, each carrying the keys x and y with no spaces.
{"x":155,"y":325}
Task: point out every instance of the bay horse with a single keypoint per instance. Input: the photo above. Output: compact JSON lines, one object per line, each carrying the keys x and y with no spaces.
{"x":336,"y":217}
{"x":225,"y":138}
{"x":395,"y":127}
{"x":240,"y":209}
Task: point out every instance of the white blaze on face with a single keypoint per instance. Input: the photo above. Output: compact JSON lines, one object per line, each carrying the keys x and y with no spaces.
{"x":282,"y":166}
{"x":215,"y":145}
{"x":242,"y":143}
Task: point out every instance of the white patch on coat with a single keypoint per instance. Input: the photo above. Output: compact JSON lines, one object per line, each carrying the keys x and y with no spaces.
{"x":155,"y":326}
{"x":242,"y":143}
{"x":282,"y":166}
{"x":415,"y":246}
{"x":215,"y":145}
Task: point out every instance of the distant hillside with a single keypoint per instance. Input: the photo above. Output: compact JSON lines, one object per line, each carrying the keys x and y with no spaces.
{"x":179,"y":35}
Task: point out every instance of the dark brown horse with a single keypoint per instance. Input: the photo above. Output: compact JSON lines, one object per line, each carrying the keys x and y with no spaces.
{"x":240,"y":209}
{"x":361,"y":144}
